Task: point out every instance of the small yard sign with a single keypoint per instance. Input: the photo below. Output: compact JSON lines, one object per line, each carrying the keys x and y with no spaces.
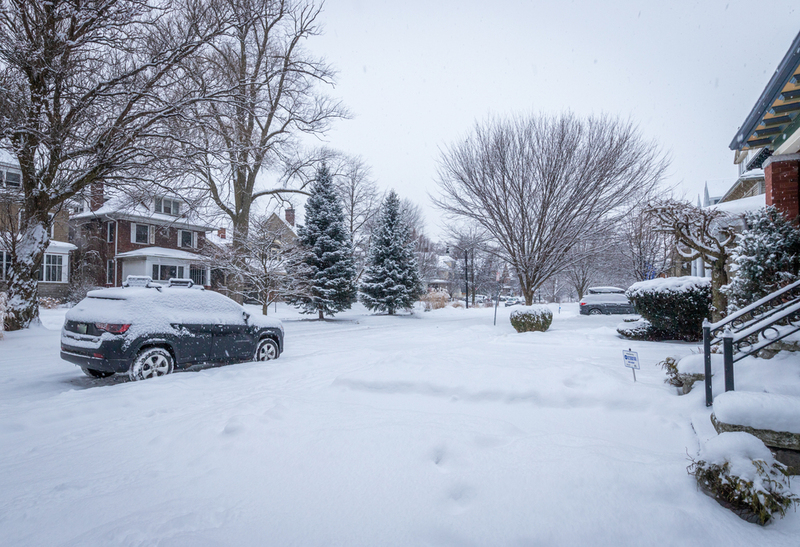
{"x":631,"y":359}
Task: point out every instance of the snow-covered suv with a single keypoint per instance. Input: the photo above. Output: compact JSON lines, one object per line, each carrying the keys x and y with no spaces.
{"x":150,"y":330}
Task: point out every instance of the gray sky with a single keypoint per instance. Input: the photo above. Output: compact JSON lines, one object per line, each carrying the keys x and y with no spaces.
{"x":417,"y":75}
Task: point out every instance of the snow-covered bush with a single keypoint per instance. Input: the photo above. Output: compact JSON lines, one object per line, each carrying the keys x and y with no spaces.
{"x":635,"y":330}
{"x":532,"y":318}
{"x":740,"y":472}
{"x":766,"y":258}
{"x":674,"y":306}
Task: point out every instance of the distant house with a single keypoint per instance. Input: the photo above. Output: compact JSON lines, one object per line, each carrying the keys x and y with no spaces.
{"x":158,"y":236}
{"x":54,"y":273}
{"x":769,"y":139}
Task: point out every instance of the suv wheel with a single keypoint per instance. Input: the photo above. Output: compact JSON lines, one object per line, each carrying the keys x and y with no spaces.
{"x":266,"y":350}
{"x":151,"y":362}
{"x":92,"y":373}
{"x":595,"y":311}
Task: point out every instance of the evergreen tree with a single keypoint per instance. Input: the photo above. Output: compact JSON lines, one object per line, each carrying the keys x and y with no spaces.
{"x":332,"y":273}
{"x":766,"y":258}
{"x":391,"y":280}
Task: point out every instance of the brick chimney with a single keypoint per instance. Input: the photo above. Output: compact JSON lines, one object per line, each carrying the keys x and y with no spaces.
{"x":290,"y":216}
{"x":96,"y":198}
{"x":221,"y":233}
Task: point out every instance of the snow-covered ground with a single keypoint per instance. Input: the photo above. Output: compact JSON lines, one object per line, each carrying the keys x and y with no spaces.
{"x":431,"y":429}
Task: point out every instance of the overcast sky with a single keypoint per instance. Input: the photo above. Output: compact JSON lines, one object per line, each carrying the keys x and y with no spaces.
{"x":417,"y":75}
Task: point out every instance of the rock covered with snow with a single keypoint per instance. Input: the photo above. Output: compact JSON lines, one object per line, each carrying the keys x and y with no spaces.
{"x":759,"y":410}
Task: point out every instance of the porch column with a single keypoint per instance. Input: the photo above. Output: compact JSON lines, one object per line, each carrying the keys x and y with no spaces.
{"x":782,"y":177}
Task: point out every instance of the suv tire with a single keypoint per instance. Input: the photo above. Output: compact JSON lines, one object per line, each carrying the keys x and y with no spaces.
{"x":266,"y":350}
{"x":151,"y":362}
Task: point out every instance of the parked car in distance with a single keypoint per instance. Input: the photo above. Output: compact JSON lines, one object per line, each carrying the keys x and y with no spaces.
{"x":605,"y":303}
{"x":150,"y":330}
{"x":514,"y":301}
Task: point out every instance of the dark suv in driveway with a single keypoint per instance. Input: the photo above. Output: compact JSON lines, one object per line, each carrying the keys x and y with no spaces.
{"x":150,"y":330}
{"x":605,"y":300}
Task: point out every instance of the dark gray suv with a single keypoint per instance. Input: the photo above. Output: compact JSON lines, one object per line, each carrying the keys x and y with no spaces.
{"x":605,"y":300}
{"x":150,"y":330}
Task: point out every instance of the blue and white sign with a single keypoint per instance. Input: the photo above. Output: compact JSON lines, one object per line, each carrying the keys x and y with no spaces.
{"x":631,"y":359}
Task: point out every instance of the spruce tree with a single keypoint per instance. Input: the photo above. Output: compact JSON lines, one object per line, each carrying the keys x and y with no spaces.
{"x":330,"y":258}
{"x":391,"y":280}
{"x":766,"y":258}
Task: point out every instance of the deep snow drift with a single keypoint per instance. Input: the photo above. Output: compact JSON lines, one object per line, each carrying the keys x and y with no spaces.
{"x":431,"y":429}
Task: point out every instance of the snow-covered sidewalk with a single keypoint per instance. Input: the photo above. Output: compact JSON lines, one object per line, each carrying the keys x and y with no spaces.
{"x":431,"y":429}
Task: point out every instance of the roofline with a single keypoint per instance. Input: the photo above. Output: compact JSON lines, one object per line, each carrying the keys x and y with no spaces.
{"x":116,"y":215}
{"x":782,"y":74}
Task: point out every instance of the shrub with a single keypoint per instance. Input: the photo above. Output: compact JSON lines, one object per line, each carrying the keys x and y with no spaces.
{"x":674,"y":306}
{"x":48,"y":302}
{"x":436,"y":300}
{"x":766,"y":258}
{"x":739,"y":471}
{"x":636,"y":330}
{"x":532,"y":318}
{"x":682,"y":380}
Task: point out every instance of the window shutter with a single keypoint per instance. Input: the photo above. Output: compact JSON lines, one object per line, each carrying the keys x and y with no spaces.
{"x":152,"y":235}
{"x":133,"y":232}
{"x":176,"y":208}
{"x":179,"y":237}
{"x":157,"y":207}
{"x":194,"y":240}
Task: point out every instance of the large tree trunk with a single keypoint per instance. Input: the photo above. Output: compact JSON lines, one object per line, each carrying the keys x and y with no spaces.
{"x":23,"y":288}
{"x":719,"y":278}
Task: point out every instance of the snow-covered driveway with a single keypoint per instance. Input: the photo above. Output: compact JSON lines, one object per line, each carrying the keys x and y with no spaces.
{"x":431,"y":429}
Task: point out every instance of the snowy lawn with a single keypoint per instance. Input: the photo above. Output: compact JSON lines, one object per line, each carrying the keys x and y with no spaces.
{"x":431,"y":429}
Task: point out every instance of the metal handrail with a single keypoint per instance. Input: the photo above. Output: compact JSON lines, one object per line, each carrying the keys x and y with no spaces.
{"x":737,"y":331}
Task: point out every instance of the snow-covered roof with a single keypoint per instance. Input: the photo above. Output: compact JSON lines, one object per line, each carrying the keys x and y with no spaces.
{"x":60,"y":247}
{"x":7,"y":158}
{"x":119,"y":207}
{"x":161,"y":252}
{"x":741,"y":206}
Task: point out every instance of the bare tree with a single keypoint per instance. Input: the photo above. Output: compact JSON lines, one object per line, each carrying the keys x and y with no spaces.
{"x":82,"y":101}
{"x":540,"y":185}
{"x":272,"y":268}
{"x":701,"y":233}
{"x":644,"y":246}
{"x":266,"y":91}
{"x":361,"y":202}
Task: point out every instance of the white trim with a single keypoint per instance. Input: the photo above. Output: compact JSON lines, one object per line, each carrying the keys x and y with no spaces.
{"x":781,"y":157}
{"x":790,"y":145}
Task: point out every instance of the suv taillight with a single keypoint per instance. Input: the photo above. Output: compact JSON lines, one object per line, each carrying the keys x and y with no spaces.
{"x":583,"y":303}
{"x":113,"y":328}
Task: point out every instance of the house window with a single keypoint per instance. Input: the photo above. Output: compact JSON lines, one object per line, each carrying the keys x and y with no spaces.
{"x":162,"y":272}
{"x":140,"y":233}
{"x":110,"y":272}
{"x":111,"y":231}
{"x":13,"y":179}
{"x":186,"y":239}
{"x":5,"y":265}
{"x":168,"y":206}
{"x":52,"y":269}
{"x":198,"y":275}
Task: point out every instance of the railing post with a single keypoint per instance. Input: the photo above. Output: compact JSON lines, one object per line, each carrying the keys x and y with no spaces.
{"x":707,"y":360}
{"x":727,"y":356}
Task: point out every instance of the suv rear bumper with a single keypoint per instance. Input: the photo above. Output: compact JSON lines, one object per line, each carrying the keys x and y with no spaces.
{"x":94,"y":363}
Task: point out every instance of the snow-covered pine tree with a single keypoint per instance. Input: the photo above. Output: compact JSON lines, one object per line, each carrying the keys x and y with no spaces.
{"x":766,"y":258}
{"x":330,"y":256}
{"x":391,"y":280}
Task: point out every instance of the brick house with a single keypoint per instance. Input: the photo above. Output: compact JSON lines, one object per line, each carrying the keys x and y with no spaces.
{"x":54,"y":273}
{"x":157,"y":236}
